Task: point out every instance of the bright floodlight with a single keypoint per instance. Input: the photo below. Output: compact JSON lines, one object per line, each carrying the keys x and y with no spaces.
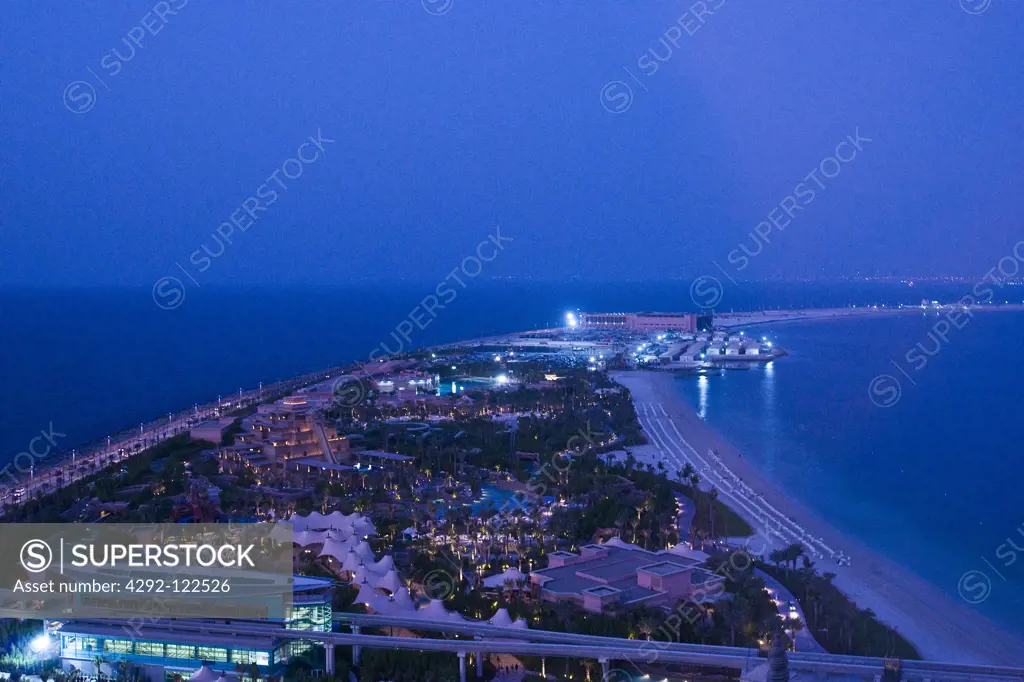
{"x":502,"y":379}
{"x":40,"y":643}
{"x":497,"y":358}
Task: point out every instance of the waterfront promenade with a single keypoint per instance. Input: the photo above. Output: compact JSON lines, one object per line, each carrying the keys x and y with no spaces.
{"x":47,"y":474}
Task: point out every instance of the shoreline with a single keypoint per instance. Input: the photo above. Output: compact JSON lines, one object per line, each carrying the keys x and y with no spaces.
{"x":744,"y":320}
{"x":940,"y":627}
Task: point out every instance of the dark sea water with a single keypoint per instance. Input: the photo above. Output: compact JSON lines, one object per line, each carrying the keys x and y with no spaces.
{"x":934,"y":480}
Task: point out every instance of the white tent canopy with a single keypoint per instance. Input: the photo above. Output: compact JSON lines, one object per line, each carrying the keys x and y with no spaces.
{"x":364,"y":551}
{"x":306,"y":538}
{"x":499,"y":579}
{"x":501,"y":618}
{"x":389,"y":582}
{"x":347,"y":525}
{"x":339,"y":549}
{"x":401,"y":604}
{"x":204,"y":674}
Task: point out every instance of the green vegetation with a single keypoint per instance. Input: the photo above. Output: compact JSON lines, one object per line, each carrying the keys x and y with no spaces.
{"x":160,"y":468}
{"x":835,"y":621}
{"x":16,"y":656}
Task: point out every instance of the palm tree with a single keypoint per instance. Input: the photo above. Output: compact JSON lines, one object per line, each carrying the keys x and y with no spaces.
{"x":712,"y":496}
{"x":646,"y":532}
{"x":734,"y":613}
{"x":647,"y":626}
{"x":99,"y":662}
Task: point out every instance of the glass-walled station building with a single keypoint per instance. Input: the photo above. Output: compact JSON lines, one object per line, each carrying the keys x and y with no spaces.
{"x":165,"y":649}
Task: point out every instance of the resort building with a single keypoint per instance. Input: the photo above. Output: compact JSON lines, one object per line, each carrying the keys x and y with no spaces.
{"x":289,"y":429}
{"x":407,"y":382}
{"x":640,"y":322}
{"x":212,"y":431}
{"x":285,"y":429}
{"x":164,"y":648}
{"x":617,"y":573}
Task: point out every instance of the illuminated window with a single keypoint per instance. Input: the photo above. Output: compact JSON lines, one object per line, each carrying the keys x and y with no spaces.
{"x":180,"y":651}
{"x":213,"y":653}
{"x":118,"y":646}
{"x":249,"y":656}
{"x":149,"y":648}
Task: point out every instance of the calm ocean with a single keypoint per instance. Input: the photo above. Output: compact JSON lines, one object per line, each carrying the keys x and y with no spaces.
{"x":933,"y":481}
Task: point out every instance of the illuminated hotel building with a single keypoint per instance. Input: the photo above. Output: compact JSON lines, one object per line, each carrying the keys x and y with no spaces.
{"x":164,"y":648}
{"x":640,"y":322}
{"x":283,"y":430}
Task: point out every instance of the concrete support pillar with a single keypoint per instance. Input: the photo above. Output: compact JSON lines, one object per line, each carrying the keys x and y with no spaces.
{"x":462,"y":666}
{"x":604,"y":668}
{"x":479,"y":664}
{"x":329,"y":652}
{"x":356,"y":650}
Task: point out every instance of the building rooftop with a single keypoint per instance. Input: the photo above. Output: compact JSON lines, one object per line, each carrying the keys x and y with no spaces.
{"x":664,"y":568}
{"x":615,"y":566}
{"x":602,"y":590}
{"x":174,"y":632}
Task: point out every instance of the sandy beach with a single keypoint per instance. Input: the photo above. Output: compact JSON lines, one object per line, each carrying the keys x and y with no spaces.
{"x":940,"y":626}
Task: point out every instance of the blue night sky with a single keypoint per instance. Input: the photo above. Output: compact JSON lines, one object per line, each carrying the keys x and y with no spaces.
{"x":450,"y":121}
